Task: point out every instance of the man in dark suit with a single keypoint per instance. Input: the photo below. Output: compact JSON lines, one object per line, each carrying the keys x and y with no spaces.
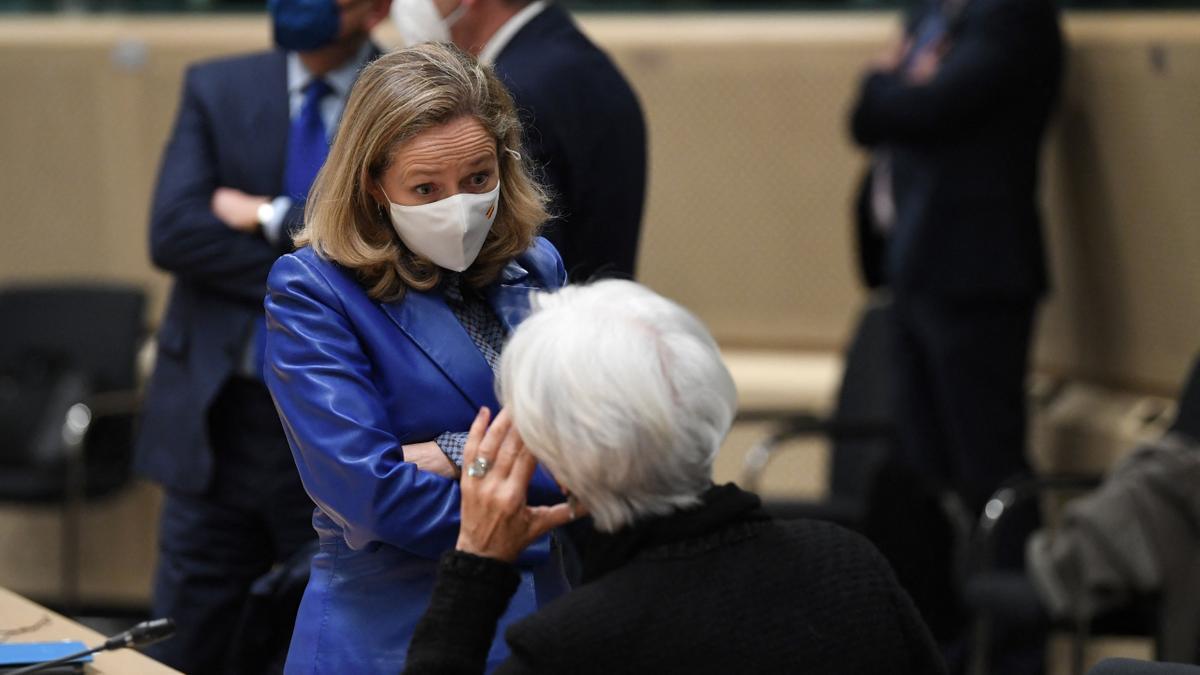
{"x":250,"y":135}
{"x":955,"y":117}
{"x":584,"y":127}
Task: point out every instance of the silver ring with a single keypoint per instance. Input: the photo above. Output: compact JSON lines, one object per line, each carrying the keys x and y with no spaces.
{"x":478,"y":468}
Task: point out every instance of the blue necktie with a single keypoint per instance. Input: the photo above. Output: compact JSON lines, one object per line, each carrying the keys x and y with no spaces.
{"x":308,"y":143}
{"x":928,"y":34}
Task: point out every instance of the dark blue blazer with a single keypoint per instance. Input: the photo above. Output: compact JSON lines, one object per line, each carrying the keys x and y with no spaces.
{"x":355,"y":379}
{"x":231,"y":131}
{"x":965,"y":151}
{"x":584,"y":129}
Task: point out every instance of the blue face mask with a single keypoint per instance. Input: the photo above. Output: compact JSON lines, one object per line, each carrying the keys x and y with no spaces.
{"x":304,"y":25}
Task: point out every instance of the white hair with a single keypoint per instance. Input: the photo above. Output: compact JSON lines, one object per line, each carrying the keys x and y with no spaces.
{"x":622,"y":395}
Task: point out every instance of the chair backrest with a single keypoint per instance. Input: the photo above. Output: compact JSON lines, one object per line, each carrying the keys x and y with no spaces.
{"x":62,"y":343}
{"x":1133,"y":667}
{"x":1187,"y":417}
{"x":864,"y":399}
{"x":96,"y":328}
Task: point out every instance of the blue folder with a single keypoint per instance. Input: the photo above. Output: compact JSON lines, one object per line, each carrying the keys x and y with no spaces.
{"x":14,"y":654}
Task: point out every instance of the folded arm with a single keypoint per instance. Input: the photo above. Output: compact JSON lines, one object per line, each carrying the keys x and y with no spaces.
{"x":349,"y":457}
{"x":1005,"y":53}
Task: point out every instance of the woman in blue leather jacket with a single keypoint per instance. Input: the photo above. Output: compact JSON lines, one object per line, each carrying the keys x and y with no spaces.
{"x":418,"y":256}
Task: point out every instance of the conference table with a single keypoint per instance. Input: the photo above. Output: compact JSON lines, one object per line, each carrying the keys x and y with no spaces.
{"x":17,"y":612}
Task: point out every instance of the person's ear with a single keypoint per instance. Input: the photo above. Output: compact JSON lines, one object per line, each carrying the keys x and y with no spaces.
{"x":376,"y":193}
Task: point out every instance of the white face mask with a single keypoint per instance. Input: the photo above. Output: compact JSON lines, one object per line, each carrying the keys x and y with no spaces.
{"x":450,"y":231}
{"x":419,"y":21}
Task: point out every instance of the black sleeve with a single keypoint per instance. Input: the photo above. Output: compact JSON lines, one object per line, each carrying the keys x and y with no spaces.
{"x":456,"y":632}
{"x":597,"y":185}
{"x":1004,"y":51}
{"x":186,"y":237}
{"x":549,"y":162}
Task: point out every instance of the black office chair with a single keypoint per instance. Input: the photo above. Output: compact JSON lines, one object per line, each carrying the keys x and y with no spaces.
{"x":860,"y":429}
{"x":1133,"y":667}
{"x":869,"y":491}
{"x":1010,"y":597}
{"x":67,"y":401}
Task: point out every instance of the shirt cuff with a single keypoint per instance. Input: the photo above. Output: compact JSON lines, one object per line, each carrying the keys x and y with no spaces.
{"x":487,"y":571}
{"x":273,"y":228}
{"x":452,"y":444}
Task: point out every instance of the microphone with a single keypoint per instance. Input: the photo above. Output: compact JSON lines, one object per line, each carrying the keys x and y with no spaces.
{"x":145,"y":633}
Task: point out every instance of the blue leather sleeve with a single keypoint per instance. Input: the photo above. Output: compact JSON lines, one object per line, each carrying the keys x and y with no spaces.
{"x":349,"y":458}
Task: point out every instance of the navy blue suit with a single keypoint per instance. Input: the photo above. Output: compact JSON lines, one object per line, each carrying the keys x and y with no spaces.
{"x":964,"y":256}
{"x":584,"y":129}
{"x":965,"y":152}
{"x":231,"y":131}
{"x":212,"y":438}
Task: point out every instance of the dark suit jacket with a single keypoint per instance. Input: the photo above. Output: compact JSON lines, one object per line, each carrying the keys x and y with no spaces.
{"x":719,"y":588}
{"x":231,"y":131}
{"x":965,"y":154}
{"x":584,"y":128}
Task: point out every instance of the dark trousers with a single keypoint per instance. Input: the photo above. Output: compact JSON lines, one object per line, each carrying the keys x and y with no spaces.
{"x":960,"y":391}
{"x":959,"y":396}
{"x":213,"y":546}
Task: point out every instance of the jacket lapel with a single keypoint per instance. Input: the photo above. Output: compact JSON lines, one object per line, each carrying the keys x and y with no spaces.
{"x":510,"y":297}
{"x":270,"y":119}
{"x":427,"y":320}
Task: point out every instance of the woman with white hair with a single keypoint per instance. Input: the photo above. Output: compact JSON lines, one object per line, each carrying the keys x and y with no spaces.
{"x":623,"y":396}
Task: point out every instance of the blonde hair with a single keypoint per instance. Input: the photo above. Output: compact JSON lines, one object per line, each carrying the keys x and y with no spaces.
{"x":397,"y":97}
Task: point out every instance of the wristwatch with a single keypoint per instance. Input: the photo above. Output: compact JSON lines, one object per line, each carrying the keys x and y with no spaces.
{"x":265,"y":213}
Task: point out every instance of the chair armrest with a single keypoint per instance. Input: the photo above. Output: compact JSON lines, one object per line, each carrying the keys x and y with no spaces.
{"x":798,"y":425}
{"x":1013,"y":494}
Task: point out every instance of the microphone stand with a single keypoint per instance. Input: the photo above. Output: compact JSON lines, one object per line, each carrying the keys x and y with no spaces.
{"x":145,"y":633}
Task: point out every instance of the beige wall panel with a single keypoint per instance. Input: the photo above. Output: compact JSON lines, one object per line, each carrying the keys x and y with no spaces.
{"x":751,"y":167}
{"x":738,"y":202}
{"x":751,"y":171}
{"x":52,"y":201}
{"x":1123,"y":206}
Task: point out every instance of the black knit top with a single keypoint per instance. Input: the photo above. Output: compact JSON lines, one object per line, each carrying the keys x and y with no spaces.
{"x":719,"y":588}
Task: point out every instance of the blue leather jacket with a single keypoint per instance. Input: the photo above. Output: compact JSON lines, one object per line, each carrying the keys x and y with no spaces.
{"x":355,"y":379}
